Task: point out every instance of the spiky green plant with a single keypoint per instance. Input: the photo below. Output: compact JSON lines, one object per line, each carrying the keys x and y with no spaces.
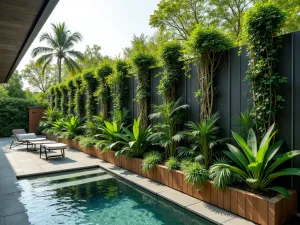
{"x":165,"y":133}
{"x":203,"y":137}
{"x":137,"y":141}
{"x":244,"y":122}
{"x":257,"y":165}
{"x":195,"y":173}
{"x":151,"y":160}
{"x":172,"y":163}
{"x":72,"y":127}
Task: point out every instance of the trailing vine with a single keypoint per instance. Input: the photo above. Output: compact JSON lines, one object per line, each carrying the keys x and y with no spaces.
{"x":262,"y":25}
{"x":51,"y":96}
{"x":118,"y":82}
{"x":103,"y":92}
{"x":64,"y":98}
{"x":77,"y":97}
{"x":142,"y":63}
{"x":71,"y":92}
{"x":89,"y":83}
{"x":207,"y":45}
{"x":57,"y":98}
{"x":171,"y":54}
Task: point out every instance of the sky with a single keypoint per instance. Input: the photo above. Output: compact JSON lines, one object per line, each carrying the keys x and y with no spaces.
{"x":108,"y":23}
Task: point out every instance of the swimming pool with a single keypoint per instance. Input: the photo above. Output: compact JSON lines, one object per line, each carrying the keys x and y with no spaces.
{"x":94,"y":197}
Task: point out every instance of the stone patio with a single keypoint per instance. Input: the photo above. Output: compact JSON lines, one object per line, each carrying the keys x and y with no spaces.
{"x":17,"y":163}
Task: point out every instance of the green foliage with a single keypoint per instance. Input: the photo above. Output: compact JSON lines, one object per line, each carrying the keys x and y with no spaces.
{"x":203,"y":137}
{"x":57,"y":97}
{"x":89,"y":83}
{"x":195,"y":173}
{"x":244,"y":122}
{"x":257,"y":165}
{"x":64,"y":98}
{"x":151,"y":160}
{"x":60,"y":45}
{"x":120,"y":116}
{"x":51,"y":94}
{"x":165,"y":133}
{"x":137,"y":141}
{"x":13,"y":115}
{"x":50,"y":116}
{"x":77,"y":100}
{"x":185,"y":162}
{"x":172,"y":163}
{"x":91,"y":127}
{"x":103,"y":92}
{"x":15,"y":86}
{"x":72,"y":127}
{"x":87,"y":142}
{"x":119,"y":82}
{"x":207,"y":45}
{"x":171,"y":54}
{"x":262,"y":24}
{"x":142,"y":62}
{"x":71,"y":94}
{"x":110,"y":136}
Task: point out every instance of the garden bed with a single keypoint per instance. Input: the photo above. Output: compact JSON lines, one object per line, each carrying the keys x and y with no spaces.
{"x":261,"y":210}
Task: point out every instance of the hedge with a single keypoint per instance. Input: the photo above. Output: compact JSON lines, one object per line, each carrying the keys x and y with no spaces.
{"x":13,"y":115}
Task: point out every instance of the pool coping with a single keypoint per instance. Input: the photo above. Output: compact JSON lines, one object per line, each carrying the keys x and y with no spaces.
{"x":211,"y":213}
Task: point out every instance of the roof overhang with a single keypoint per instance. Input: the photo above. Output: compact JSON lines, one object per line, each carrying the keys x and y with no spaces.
{"x":20,"y":22}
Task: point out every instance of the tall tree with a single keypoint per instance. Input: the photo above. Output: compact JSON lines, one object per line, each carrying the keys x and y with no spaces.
{"x":91,"y":57}
{"x":179,"y":16}
{"x":60,"y":45}
{"x":15,"y":86}
{"x":38,"y":78}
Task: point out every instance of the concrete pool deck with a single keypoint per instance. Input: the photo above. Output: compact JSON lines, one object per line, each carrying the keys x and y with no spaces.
{"x":17,"y":163}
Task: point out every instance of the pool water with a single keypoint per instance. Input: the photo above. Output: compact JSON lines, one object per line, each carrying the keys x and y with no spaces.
{"x":95,"y":197}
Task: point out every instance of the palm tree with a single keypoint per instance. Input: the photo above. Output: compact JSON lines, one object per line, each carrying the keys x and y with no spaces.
{"x":60,"y":45}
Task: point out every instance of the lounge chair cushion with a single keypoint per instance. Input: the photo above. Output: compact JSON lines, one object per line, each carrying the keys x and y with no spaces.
{"x":55,"y":146}
{"x":18,"y":131}
{"x":25,"y":137}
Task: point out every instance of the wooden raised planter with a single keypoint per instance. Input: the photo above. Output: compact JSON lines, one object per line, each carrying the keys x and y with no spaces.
{"x":258,"y":209}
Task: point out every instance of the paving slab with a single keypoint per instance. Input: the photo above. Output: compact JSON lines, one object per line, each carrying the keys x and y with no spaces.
{"x":179,"y":198}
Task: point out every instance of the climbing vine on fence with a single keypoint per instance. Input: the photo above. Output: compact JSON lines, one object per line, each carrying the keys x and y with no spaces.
{"x":142,"y":63}
{"x":206,"y":46}
{"x":77,"y":97}
{"x":71,"y":93}
{"x":89,"y":83}
{"x":262,"y":25}
{"x":171,"y":54}
{"x":51,"y":95}
{"x":64,"y":98}
{"x":118,"y":82}
{"x":103,"y":92}
{"x":57,"y":97}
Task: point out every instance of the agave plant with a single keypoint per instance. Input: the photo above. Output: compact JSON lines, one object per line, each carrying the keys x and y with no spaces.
{"x":203,"y":138}
{"x":109,"y":136}
{"x":165,"y":133}
{"x":72,"y":127}
{"x":257,"y":165}
{"x":137,"y":142}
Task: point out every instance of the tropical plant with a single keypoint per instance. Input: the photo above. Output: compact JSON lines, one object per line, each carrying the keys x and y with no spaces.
{"x":165,"y":133}
{"x":195,"y":173}
{"x":137,"y":142}
{"x":58,"y":126}
{"x":151,"y":160}
{"x":87,"y":142}
{"x":244,"y":122}
{"x":172,"y":163}
{"x":203,"y":138}
{"x":49,"y":117}
{"x":257,"y":165}
{"x":89,"y":83}
{"x":60,"y":45}
{"x":110,"y":136}
{"x":72,"y":127}
{"x":91,"y":127}
{"x":120,"y":116}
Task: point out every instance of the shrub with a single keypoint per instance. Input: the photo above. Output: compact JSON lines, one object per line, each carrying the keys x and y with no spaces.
{"x":151,"y":160}
{"x":72,"y":127}
{"x":195,"y":173}
{"x":172,"y":163}
{"x":13,"y":115}
{"x":87,"y":141}
{"x":257,"y":165}
{"x":89,"y":84}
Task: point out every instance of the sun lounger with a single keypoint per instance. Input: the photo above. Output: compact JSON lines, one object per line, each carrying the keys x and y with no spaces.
{"x":22,"y":138}
{"x":53,"y":147}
